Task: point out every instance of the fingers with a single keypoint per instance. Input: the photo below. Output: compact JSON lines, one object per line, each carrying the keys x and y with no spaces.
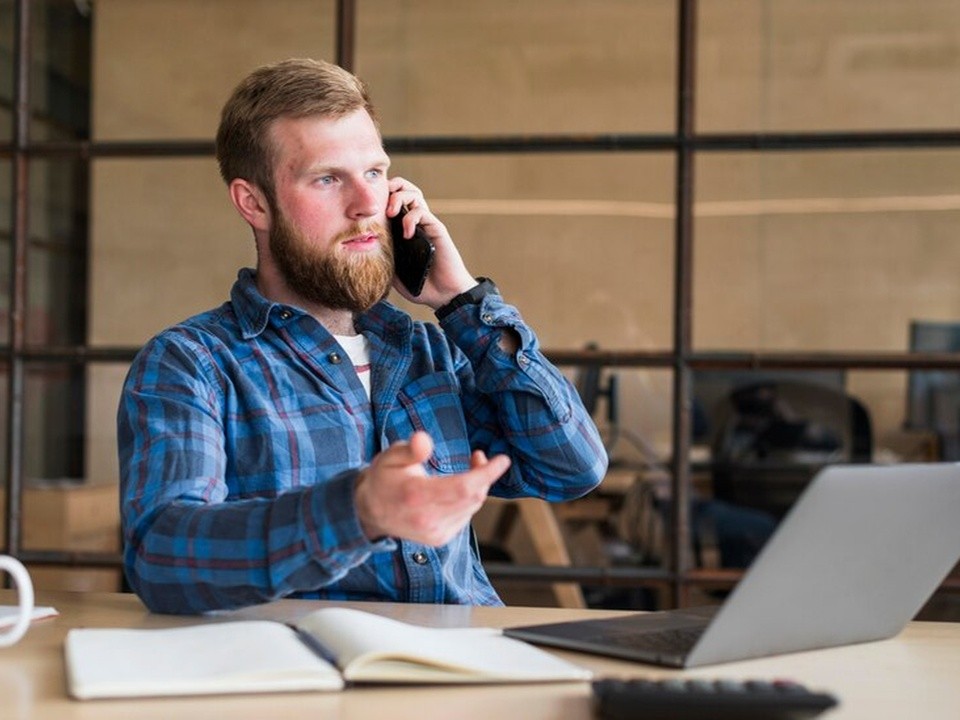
{"x":478,"y":458}
{"x":404,"y":193}
{"x":415,"y":451}
{"x":421,"y":446}
{"x":469,"y":488}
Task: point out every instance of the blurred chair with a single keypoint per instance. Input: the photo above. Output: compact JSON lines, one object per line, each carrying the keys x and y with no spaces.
{"x":772,"y":437}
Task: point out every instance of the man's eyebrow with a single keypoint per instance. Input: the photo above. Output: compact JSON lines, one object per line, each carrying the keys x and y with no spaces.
{"x":319,"y":168}
{"x":326,"y":168}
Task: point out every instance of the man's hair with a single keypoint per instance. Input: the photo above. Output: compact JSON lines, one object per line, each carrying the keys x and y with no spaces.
{"x":294,"y":88}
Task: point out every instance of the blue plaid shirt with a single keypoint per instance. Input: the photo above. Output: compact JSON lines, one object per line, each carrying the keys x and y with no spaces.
{"x":241,"y":432}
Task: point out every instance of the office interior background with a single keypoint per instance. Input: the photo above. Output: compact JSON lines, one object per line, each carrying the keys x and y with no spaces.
{"x":685,"y":199}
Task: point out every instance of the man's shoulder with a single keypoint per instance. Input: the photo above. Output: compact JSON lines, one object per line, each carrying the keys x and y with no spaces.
{"x":214,"y":327}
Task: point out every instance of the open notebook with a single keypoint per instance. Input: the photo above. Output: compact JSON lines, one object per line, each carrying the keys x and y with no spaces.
{"x":322,"y":651}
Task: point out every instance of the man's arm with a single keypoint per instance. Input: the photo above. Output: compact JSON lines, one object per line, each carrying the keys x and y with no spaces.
{"x":515,"y":401}
{"x":186,"y":549}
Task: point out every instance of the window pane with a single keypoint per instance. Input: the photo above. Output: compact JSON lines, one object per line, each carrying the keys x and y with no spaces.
{"x":6,"y":233}
{"x":60,"y":70}
{"x":6,"y":71}
{"x":57,"y":292}
{"x":826,"y":252}
{"x":53,"y":422}
{"x":166,"y":68}
{"x":4,"y":415}
{"x":581,"y":243}
{"x":570,"y":66}
{"x":166,"y":243}
{"x":838,"y":65}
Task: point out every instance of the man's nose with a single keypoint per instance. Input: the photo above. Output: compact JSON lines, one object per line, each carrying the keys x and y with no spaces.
{"x":364,"y":201}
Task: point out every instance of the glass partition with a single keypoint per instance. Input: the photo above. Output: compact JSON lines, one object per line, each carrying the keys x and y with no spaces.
{"x":803,"y":250}
{"x":502,"y":67}
{"x":824,"y":251}
{"x":800,"y":66}
{"x":6,"y":73}
{"x":57,"y":252}
{"x":565,"y":236}
{"x":179,"y":61}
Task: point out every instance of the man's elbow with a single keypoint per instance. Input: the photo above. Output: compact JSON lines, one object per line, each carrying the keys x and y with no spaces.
{"x":158,"y":598}
{"x":592,"y":475}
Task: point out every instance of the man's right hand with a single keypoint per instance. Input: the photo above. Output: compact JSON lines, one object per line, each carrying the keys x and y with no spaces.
{"x":395,"y":497}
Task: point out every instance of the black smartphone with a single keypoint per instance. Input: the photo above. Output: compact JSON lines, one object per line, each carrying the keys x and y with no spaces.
{"x":412,"y":257}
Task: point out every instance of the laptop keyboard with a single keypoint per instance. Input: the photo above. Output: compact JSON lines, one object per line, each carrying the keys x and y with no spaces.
{"x":664,"y":637}
{"x":673,"y":641}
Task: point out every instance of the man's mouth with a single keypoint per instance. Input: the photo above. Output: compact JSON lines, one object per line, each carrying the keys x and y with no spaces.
{"x":363,"y":241}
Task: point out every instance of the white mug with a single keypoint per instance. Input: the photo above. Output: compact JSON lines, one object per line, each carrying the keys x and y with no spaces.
{"x":21,"y":579}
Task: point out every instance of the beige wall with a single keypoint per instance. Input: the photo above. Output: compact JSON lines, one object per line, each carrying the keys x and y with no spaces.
{"x":823,"y":251}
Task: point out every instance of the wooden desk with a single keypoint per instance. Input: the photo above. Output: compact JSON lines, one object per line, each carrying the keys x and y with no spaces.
{"x":912,"y":675}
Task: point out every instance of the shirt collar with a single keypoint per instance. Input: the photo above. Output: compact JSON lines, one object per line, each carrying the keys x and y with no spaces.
{"x":253,"y":310}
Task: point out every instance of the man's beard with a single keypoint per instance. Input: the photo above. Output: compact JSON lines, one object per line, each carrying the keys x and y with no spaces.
{"x":328,"y":276}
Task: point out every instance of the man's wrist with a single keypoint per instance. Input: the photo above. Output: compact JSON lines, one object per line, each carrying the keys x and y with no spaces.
{"x":370,"y":529}
{"x":473,"y":296}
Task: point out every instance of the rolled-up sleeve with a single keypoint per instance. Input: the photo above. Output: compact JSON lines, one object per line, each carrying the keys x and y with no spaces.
{"x":519,"y":404}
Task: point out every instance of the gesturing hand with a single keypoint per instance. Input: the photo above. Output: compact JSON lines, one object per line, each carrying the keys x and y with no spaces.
{"x":396,"y":498}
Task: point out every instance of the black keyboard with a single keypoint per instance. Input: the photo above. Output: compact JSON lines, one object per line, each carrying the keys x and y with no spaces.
{"x":694,"y":699}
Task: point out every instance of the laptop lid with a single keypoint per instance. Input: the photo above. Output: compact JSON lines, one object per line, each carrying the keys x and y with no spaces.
{"x":854,"y":560}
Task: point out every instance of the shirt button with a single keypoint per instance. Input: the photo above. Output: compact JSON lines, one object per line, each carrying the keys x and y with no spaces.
{"x":420,"y":557}
{"x":334,"y":357}
{"x":285,"y":314}
{"x":487,"y":318}
{"x":523,"y":360}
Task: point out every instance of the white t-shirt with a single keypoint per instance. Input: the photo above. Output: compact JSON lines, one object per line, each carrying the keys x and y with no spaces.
{"x":357,"y":348}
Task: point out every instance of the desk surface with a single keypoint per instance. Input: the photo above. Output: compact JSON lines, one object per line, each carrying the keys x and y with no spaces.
{"x":912,"y":675}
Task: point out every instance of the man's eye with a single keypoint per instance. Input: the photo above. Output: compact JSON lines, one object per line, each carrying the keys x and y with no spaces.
{"x":325,"y":180}
{"x":374,"y":173}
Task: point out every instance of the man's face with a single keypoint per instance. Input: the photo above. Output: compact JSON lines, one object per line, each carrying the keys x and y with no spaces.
{"x":328,"y":275}
{"x":327,"y":232}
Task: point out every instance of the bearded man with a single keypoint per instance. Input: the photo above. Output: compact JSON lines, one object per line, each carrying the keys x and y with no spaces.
{"x":308,"y":438}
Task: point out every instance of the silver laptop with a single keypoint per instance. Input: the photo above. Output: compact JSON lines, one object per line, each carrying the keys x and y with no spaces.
{"x":854,"y":560}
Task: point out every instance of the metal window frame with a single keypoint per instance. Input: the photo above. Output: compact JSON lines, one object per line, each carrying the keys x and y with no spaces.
{"x":685,"y":143}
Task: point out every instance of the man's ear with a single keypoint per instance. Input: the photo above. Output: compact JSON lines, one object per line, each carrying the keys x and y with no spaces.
{"x":251,"y":203}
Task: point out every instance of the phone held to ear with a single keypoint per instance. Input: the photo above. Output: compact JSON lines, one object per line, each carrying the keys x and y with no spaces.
{"x":412,"y":257}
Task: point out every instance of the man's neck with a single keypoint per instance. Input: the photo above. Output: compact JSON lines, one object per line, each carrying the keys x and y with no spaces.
{"x":336,"y":322}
